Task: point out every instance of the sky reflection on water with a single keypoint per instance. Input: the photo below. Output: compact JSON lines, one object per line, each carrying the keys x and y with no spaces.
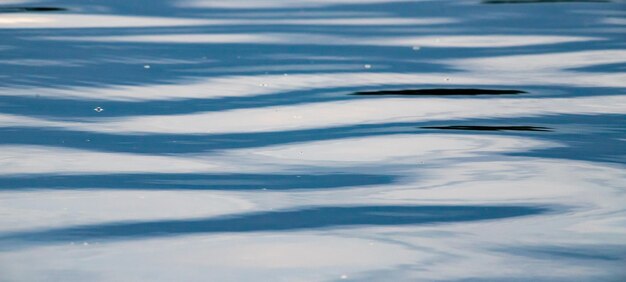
{"x":201,"y":140}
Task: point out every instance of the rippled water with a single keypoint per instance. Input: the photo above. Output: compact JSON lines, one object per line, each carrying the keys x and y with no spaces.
{"x":312,"y":140}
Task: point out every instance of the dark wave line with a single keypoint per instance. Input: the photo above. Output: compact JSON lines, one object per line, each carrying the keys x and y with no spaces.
{"x":441,"y":92}
{"x":192,"y":181}
{"x":285,"y":220}
{"x":490,"y":128}
{"x":30,"y":9}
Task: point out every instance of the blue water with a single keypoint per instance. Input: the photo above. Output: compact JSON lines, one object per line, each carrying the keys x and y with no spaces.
{"x":312,"y":140}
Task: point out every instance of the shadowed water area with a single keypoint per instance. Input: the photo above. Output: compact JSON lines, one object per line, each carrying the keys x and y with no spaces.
{"x":313,"y":140}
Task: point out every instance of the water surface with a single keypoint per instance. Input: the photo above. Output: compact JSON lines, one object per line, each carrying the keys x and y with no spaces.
{"x":313,"y":140}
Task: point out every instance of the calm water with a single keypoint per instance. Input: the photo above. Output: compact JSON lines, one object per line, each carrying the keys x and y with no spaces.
{"x":312,"y":140}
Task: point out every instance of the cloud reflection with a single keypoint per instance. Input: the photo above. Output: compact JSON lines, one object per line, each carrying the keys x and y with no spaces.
{"x":54,"y":160}
{"x":443,"y":41}
{"x":45,"y":21}
{"x":256,"y":85}
{"x":333,"y":114}
{"x":541,"y":62}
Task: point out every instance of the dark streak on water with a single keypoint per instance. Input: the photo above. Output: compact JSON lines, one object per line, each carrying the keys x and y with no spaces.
{"x":490,"y":128}
{"x":441,"y":92}
{"x":194,"y":181}
{"x":30,"y":9}
{"x":306,"y":218}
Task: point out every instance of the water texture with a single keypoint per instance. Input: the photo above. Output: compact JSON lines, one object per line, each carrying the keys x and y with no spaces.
{"x":312,"y":140}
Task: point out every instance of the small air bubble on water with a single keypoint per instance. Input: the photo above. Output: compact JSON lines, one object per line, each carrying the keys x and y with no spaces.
{"x":367,"y":66}
{"x":98,"y":109}
{"x":416,"y":48}
{"x":146,"y":66}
